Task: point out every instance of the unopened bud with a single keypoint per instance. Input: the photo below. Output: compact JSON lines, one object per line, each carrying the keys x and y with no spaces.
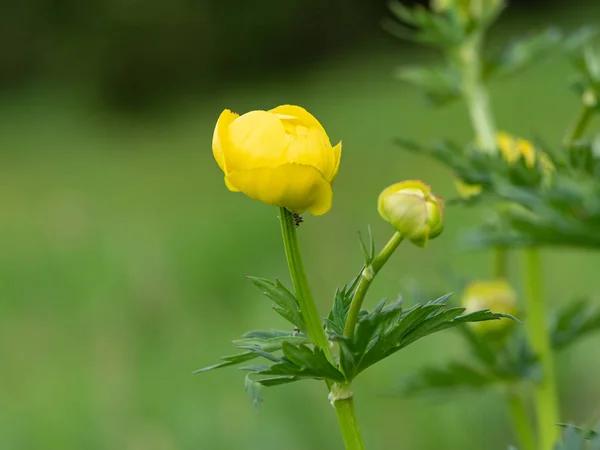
{"x":413,"y":210}
{"x":497,"y":296}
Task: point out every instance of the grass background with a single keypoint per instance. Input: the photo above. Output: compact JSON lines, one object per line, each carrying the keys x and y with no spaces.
{"x":122,"y":257}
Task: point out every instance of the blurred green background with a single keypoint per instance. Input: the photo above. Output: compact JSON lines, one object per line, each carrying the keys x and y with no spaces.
{"x":122,"y":254}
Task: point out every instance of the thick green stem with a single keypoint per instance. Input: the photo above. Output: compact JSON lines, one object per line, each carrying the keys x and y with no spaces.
{"x":520,"y":420}
{"x":475,"y":93}
{"x":341,"y":398}
{"x":344,"y":407}
{"x":546,"y":399}
{"x":366,"y":278}
{"x":579,"y":126}
{"x":309,"y":310}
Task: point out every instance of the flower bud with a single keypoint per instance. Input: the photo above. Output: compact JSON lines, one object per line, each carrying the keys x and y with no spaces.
{"x":497,"y":296}
{"x":413,"y":210}
{"x":282,"y":157}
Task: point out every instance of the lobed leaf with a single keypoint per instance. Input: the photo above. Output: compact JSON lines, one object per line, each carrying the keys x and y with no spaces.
{"x":285,"y":304}
{"x":388,"y":329}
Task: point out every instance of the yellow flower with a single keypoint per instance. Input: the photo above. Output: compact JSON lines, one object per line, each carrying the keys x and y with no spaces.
{"x":413,"y":210}
{"x":512,"y":150}
{"x":282,"y":157}
{"x":497,"y":296}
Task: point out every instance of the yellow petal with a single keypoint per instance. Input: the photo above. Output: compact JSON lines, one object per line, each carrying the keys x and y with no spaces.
{"x":309,"y":143}
{"x":230,"y":186}
{"x":407,"y":212}
{"x":298,"y":114}
{"x":296,"y":187}
{"x":526,"y":150}
{"x":508,"y":147}
{"x":257,"y":139}
{"x":466,"y":190}
{"x":311,"y":147}
{"x":337,"y":156}
{"x":220,"y":137}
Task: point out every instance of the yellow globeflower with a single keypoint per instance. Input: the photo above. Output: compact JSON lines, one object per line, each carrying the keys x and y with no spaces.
{"x":497,"y":296}
{"x":512,"y":150}
{"x":282,"y":157}
{"x":413,"y":210}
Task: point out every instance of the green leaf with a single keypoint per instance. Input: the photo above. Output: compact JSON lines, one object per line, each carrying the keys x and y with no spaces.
{"x":586,"y":433}
{"x":277,"y":381}
{"x":440,"y":85}
{"x":254,"y":391}
{"x":368,"y":250}
{"x":576,"y":438}
{"x":336,"y":320}
{"x":418,"y":24}
{"x":389,"y":328}
{"x":229,"y":361}
{"x":452,"y":377}
{"x":574,"y":321}
{"x":285,"y":304}
{"x":523,"y":52}
{"x":270,"y":344}
{"x":301,"y":362}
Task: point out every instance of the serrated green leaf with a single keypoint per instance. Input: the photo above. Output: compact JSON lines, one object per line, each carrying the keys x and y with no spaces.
{"x":388,"y":329}
{"x":270,"y":344}
{"x":574,"y":321}
{"x":260,"y":352}
{"x":229,"y":361}
{"x":336,"y":320}
{"x":285,"y":304}
{"x":311,"y":361}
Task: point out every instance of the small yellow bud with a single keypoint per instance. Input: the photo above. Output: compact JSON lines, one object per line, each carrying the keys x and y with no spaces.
{"x":413,"y":210}
{"x":497,"y":296}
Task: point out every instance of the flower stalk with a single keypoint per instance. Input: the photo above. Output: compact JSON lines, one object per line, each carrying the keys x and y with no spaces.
{"x":476,"y":97}
{"x":475,"y":94}
{"x":313,"y":322}
{"x":520,"y":419}
{"x":367,"y":275}
{"x":581,"y":123}
{"x":341,"y":398}
{"x":545,"y":394}
{"x":343,"y":402}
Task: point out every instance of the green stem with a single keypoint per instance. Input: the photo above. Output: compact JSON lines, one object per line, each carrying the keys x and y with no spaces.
{"x":500,"y":262}
{"x":520,"y":420}
{"x":342,"y":399}
{"x":366,"y":278}
{"x":348,"y":425}
{"x":546,"y":399}
{"x":305,"y":299}
{"x":475,"y":93}
{"x":579,"y":126}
